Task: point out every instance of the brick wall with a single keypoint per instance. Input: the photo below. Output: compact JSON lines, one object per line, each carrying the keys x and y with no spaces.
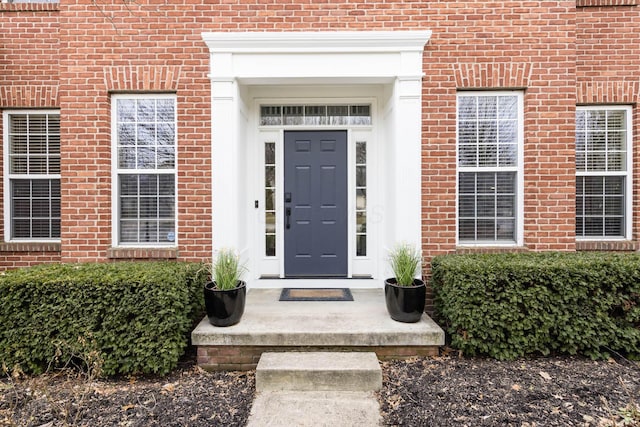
{"x":528,"y":46}
{"x":30,"y":52}
{"x":557,"y":54}
{"x":243,"y":358}
{"x":132,"y":47}
{"x":29,"y":78}
{"x":151,"y":35}
{"x":608,"y":49}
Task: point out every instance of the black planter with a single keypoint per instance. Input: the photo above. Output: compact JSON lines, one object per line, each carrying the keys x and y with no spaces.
{"x":405,"y":303}
{"x":224,"y":307}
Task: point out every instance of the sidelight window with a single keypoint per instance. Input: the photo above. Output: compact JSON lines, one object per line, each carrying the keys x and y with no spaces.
{"x":361,"y":198}
{"x":270,"y":198}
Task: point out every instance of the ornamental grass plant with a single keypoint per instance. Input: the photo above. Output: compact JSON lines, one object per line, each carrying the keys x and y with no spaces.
{"x":226,"y":270}
{"x":405,"y":262}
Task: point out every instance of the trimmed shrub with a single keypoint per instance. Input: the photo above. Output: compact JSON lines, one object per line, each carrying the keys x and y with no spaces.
{"x":137,"y":316}
{"x":511,"y":305}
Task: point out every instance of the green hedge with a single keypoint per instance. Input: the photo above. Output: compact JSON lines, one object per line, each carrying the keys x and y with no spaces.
{"x":136,"y":316}
{"x":511,"y":305}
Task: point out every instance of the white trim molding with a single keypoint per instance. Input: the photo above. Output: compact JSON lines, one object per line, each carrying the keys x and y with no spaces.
{"x":314,"y":41}
{"x":295,"y":57}
{"x":349,"y":61}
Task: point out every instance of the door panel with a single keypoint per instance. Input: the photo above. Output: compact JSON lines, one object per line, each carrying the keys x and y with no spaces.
{"x":315,"y":183}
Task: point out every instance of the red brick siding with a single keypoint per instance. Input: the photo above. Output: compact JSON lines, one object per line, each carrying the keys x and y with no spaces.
{"x":608,"y":53}
{"x":28,"y":96}
{"x":142,"y":253}
{"x":159,"y":78}
{"x":29,"y":78}
{"x":246,"y":357}
{"x":30,"y":52}
{"x":492,"y":75}
{"x":131,"y":48}
{"x":612,"y":246}
{"x":16,"y":255}
{"x":556,"y":54}
{"x":503,"y":45}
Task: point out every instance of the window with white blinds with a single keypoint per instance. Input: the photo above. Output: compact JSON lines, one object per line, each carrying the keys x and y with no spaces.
{"x":603,"y":172}
{"x":489,"y":137}
{"x":32,"y":167}
{"x":145,"y":169}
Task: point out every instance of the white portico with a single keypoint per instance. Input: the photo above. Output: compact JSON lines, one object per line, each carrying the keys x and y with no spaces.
{"x":364,"y":88}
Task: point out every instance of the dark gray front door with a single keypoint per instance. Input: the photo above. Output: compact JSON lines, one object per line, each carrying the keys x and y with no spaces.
{"x":315,"y":195}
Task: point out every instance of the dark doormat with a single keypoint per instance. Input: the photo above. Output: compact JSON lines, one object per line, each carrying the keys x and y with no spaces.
{"x":320,"y":294}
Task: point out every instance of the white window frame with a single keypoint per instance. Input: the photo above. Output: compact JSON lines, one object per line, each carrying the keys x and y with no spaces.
{"x":518,"y":169}
{"x":628,"y":174}
{"x":8,"y":176}
{"x":116,"y":172}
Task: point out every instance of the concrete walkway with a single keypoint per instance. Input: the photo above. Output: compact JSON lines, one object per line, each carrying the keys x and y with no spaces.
{"x":315,"y":409}
{"x":317,"y":389}
{"x":315,"y":360}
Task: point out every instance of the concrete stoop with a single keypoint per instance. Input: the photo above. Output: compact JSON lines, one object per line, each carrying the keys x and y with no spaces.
{"x":271,"y":325}
{"x":317,"y":389}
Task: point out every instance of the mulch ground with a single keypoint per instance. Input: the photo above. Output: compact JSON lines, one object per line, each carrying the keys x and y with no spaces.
{"x":538,"y":392}
{"x":444,"y":391}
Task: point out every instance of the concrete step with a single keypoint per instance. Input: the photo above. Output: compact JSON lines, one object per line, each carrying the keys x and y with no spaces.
{"x":318,"y":371}
{"x":315,"y":409}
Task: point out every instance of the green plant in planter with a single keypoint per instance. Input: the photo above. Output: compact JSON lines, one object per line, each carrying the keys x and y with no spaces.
{"x":225,"y":294}
{"x":405,"y":294}
{"x":405,"y":261}
{"x":226,"y":270}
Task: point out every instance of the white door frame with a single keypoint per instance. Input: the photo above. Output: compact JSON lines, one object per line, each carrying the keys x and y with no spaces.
{"x":273,"y":267}
{"x":391,"y":59}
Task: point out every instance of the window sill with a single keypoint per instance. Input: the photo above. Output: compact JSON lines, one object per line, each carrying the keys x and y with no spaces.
{"x":490,"y":249}
{"x":607,"y":245}
{"x":29,"y":247}
{"x":29,"y":7}
{"x":142,"y":253}
{"x":596,"y":3}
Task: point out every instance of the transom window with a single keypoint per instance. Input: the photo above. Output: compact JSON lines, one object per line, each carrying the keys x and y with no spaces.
{"x":32,"y":172}
{"x":315,"y":115}
{"x":489,"y":142}
{"x":603,"y":165}
{"x":145,"y":169}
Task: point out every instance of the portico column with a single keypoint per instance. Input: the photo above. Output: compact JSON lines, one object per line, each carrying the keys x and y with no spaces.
{"x":407,"y":161}
{"x":226,"y":161}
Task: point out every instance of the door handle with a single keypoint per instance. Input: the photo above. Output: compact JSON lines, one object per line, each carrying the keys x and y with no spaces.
{"x":287,"y":213}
